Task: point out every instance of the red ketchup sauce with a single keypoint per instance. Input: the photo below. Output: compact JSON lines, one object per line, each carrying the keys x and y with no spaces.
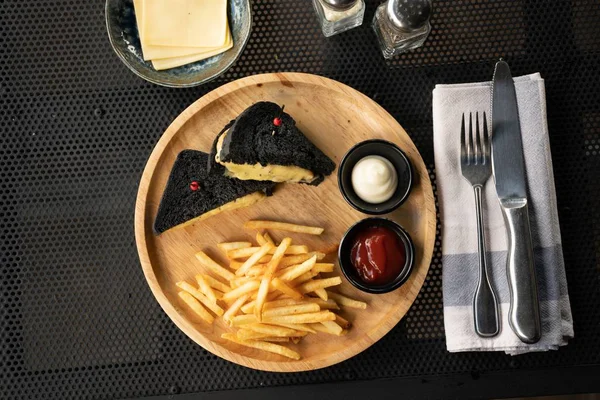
{"x":378,"y":255}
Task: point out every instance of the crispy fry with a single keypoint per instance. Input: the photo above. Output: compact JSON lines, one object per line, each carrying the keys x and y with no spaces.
{"x":332,"y":327}
{"x":243,"y":319}
{"x":307,"y":276}
{"x":342,"y":322}
{"x":246,"y":334}
{"x":212,"y":306}
{"x":322,"y":293}
{"x":235,"y":265}
{"x":299,"y":258}
{"x":205,"y":288}
{"x":248,"y":251}
{"x":301,"y":318}
{"x":285,"y":289}
{"x":241,"y":290}
{"x":254,"y":259}
{"x":235,"y":307}
{"x":293,"y":272}
{"x":323,"y":267}
{"x":281,"y":303}
{"x":315,"y":284}
{"x":296,"y":340}
{"x":269,"y":239}
{"x":325,"y":305}
{"x":278,"y":339}
{"x":237,"y":282}
{"x":292,"y":309}
{"x":214,"y":283}
{"x":298,"y":327}
{"x":260,"y":239}
{"x":257,"y":270}
{"x":346,"y":301}
{"x":266,"y":346}
{"x":319,"y":327}
{"x":272,"y":330}
{"x":283,"y":226}
{"x":214,"y":266}
{"x":225,"y":247}
{"x":196,"y":307}
{"x":248,"y":308}
{"x":263,"y":290}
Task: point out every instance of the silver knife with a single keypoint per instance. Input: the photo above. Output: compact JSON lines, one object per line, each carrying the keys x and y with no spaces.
{"x":508,"y":167}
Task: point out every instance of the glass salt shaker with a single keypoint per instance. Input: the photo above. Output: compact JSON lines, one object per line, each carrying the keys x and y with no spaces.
{"x":336,"y":16}
{"x":402,"y":25}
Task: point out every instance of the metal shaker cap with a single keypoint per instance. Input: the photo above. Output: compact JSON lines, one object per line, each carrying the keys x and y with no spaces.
{"x":409,"y":15}
{"x":339,"y":5}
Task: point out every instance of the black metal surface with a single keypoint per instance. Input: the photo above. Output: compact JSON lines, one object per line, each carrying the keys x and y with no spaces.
{"x":77,"y":319}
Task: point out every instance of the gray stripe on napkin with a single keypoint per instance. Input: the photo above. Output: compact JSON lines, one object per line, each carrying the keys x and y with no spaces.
{"x":460,"y":275}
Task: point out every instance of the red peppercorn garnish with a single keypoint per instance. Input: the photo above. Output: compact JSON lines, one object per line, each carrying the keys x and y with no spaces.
{"x":277,"y":121}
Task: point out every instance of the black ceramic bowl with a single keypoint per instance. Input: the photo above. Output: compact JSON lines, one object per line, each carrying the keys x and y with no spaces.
{"x":346,"y":262}
{"x":384,"y":149}
{"x":125,"y":41}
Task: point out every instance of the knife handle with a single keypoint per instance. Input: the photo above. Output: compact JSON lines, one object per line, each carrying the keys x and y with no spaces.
{"x":524,"y":313}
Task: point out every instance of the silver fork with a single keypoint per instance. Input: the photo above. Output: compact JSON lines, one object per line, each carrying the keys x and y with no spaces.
{"x":476,"y":168}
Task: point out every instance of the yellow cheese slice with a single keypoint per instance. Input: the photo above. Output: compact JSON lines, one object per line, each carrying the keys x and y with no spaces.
{"x":151,"y":51}
{"x":166,"y":63}
{"x":185,"y":23}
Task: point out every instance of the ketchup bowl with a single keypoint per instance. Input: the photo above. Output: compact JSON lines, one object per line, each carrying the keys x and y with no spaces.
{"x":376,"y":255}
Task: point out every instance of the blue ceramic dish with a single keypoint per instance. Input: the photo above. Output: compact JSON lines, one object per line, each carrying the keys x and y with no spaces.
{"x":125,"y":40}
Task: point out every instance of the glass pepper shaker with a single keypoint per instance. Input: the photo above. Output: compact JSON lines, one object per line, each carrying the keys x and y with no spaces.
{"x":402,"y":25}
{"x":336,"y":16}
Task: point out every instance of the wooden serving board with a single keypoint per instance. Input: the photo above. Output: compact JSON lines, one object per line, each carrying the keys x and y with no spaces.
{"x":333,"y":116}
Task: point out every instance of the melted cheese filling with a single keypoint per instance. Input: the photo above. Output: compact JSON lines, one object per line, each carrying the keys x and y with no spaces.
{"x":258,"y":172}
{"x":241,"y":202}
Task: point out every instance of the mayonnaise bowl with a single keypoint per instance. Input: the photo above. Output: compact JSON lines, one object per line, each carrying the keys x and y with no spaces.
{"x":375,"y":177}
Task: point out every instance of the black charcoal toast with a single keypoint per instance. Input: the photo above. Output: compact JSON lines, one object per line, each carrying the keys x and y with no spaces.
{"x":263,"y":143}
{"x":193,"y":194}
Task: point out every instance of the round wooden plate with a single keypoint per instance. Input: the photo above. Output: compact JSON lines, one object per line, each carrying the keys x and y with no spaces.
{"x":333,"y":116}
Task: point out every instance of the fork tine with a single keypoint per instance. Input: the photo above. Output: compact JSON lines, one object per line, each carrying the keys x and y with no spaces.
{"x":486,"y":140}
{"x":463,"y":149}
{"x":470,"y":150}
{"x":478,"y":149}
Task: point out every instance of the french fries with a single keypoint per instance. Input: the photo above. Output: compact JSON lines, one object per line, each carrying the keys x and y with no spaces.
{"x":263,"y":290}
{"x":266,"y":346}
{"x":322,"y":293}
{"x":248,"y":251}
{"x":214,"y":266}
{"x":295,"y":271}
{"x":196,"y":307}
{"x":205,"y":288}
{"x":214,"y":283}
{"x":235,"y":307}
{"x":283,"y":226}
{"x":270,"y":292}
{"x":214,"y":307}
{"x":225,"y":247}
{"x":286,"y":289}
{"x":346,"y":301}
{"x":254,"y":258}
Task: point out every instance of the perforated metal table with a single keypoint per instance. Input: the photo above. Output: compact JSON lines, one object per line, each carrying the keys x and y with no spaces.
{"x":77,"y":319}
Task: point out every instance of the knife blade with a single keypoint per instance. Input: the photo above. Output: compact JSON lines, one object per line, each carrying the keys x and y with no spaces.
{"x":508,"y":167}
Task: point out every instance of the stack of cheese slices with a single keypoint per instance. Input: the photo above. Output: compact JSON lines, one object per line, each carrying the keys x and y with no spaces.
{"x":179,"y":32}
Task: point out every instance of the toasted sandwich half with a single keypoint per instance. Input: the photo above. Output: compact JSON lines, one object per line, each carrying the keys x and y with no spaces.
{"x":264,"y":144}
{"x":192,"y":194}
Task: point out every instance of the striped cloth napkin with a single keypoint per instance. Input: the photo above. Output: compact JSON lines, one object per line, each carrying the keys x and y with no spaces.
{"x":457,"y":210}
